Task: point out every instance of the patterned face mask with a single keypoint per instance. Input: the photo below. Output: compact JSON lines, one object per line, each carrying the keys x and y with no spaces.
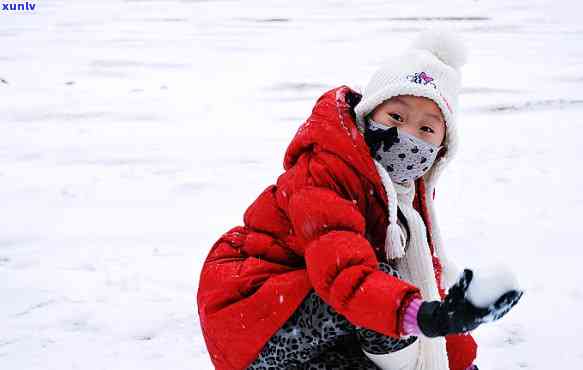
{"x":404,"y":156}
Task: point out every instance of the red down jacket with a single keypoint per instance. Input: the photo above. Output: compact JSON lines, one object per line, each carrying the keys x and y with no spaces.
{"x":321,"y":226}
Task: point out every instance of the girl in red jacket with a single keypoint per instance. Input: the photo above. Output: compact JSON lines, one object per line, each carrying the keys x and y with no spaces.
{"x":340,"y":265}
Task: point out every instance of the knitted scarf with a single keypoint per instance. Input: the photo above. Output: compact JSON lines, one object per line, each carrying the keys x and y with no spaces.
{"x":416,"y":266}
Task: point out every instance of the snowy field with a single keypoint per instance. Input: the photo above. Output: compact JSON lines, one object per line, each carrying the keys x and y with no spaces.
{"x":133,"y":133}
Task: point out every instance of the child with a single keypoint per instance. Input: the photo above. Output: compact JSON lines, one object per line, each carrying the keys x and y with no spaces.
{"x":340,"y":264}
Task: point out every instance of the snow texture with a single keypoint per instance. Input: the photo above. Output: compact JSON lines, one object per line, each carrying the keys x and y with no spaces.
{"x":490,"y":283}
{"x":133,"y":133}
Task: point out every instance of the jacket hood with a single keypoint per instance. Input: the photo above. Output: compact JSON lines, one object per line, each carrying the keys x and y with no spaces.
{"x":332,"y":127}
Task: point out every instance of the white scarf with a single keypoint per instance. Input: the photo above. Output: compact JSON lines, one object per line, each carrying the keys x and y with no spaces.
{"x":416,"y":267}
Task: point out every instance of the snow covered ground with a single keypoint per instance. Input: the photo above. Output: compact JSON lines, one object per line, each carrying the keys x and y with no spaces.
{"x":133,"y":133}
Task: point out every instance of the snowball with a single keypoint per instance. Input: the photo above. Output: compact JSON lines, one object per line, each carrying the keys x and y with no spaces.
{"x":489,"y":283}
{"x":444,"y":44}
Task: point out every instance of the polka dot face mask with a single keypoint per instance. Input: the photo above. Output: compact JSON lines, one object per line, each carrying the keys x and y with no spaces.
{"x":404,"y":156}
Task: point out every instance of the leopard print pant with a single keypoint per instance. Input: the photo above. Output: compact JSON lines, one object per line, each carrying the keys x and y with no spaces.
{"x":317,"y":337}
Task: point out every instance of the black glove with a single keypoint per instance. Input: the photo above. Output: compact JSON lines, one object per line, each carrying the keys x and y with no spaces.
{"x":456,"y":314}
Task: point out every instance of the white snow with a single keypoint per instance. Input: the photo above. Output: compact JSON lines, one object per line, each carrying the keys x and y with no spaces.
{"x":489,"y":283}
{"x":133,"y":133}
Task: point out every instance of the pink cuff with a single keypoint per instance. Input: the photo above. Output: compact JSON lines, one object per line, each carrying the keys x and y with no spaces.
{"x":410,"y":324}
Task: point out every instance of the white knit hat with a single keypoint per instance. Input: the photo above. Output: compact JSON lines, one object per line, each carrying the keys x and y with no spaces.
{"x":430,"y":68}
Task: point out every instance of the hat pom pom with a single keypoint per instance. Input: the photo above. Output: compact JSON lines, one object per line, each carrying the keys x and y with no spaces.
{"x":444,"y":44}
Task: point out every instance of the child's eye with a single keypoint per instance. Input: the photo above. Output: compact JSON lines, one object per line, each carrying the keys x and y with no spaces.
{"x":396,"y":117}
{"x":427,"y":129}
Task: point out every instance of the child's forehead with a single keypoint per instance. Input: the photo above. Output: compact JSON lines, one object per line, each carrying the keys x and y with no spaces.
{"x":412,"y":100}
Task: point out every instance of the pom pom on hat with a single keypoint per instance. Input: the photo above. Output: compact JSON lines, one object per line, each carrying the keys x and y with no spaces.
{"x":445,"y":44}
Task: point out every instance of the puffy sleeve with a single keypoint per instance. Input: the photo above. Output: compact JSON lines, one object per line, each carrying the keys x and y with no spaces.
{"x":326,"y":205}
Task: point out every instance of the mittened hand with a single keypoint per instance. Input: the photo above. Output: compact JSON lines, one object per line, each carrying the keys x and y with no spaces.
{"x":457,"y":314}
